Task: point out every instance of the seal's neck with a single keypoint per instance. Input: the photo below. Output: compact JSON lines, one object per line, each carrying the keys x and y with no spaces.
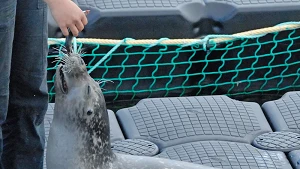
{"x":96,"y":148}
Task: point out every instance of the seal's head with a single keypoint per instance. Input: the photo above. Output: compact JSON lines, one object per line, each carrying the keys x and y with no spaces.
{"x":70,"y":73}
{"x":81,"y":108}
{"x":76,"y":91}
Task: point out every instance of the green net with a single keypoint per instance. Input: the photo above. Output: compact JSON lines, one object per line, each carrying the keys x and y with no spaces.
{"x":266,"y":65}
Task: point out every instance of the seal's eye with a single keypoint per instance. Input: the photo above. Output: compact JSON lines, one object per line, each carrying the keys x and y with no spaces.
{"x":88,"y":89}
{"x":82,"y":62}
{"x":90,"y":112}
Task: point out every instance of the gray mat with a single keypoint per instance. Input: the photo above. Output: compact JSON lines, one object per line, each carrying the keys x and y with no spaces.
{"x":279,"y":141}
{"x":210,"y":130}
{"x":115,"y":130}
{"x":47,"y":123}
{"x":227,"y":155}
{"x":284,"y":113}
{"x":135,"y":147}
{"x":171,"y":121}
{"x":294,"y":157}
{"x":180,"y":18}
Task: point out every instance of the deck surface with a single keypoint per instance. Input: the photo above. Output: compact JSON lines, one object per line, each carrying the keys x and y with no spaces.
{"x":47,"y":122}
{"x":210,"y":130}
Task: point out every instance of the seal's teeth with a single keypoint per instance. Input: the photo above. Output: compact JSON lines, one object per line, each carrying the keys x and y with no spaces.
{"x":64,"y":85}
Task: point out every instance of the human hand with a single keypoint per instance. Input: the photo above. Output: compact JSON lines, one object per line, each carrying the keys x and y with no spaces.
{"x":67,"y":15}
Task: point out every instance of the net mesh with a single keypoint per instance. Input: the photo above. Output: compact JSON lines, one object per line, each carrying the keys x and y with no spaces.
{"x":267,"y":65}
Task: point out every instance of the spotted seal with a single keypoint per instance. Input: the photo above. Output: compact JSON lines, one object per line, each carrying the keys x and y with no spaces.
{"x":79,"y":136}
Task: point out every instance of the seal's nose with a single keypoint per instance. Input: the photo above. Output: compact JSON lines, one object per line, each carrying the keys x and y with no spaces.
{"x":68,"y":42}
{"x":70,"y":37}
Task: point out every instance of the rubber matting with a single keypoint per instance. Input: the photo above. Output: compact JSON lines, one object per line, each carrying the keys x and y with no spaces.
{"x":135,"y":147}
{"x":115,"y":130}
{"x":211,"y":130}
{"x":171,"y":121}
{"x":280,"y":141}
{"x":295,"y":158}
{"x":47,"y":123}
{"x":284,"y":113}
{"x":227,"y":155}
{"x":118,"y":19}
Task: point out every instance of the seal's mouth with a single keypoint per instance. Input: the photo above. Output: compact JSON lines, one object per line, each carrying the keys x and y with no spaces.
{"x":64,"y":86}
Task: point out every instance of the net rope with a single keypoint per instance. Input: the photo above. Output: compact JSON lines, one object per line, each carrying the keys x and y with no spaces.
{"x":252,"y":62}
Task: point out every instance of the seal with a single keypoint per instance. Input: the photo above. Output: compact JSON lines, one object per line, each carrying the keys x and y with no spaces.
{"x":79,"y":136}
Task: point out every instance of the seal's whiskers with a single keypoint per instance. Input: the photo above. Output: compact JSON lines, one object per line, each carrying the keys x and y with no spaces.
{"x":56,"y":60}
{"x":103,"y":81}
{"x":81,"y":52}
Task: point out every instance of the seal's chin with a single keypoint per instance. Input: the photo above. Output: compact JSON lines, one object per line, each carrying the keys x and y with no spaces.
{"x":63,"y":86}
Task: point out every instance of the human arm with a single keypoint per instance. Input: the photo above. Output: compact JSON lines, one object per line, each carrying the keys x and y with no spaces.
{"x":67,"y":15}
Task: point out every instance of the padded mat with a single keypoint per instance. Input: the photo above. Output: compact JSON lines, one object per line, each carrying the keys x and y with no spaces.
{"x":135,"y":147}
{"x":279,"y":141}
{"x":171,"y":121}
{"x":284,"y":113}
{"x":180,"y":18}
{"x":47,"y":123}
{"x":211,"y":130}
{"x":115,"y":130}
{"x":227,"y":155}
{"x":294,"y":157}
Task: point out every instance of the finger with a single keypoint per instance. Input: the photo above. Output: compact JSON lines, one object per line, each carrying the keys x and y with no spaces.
{"x":79,"y":26}
{"x":74,"y":30}
{"x":86,"y":12}
{"x":84,"y":20}
{"x":64,"y":30}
